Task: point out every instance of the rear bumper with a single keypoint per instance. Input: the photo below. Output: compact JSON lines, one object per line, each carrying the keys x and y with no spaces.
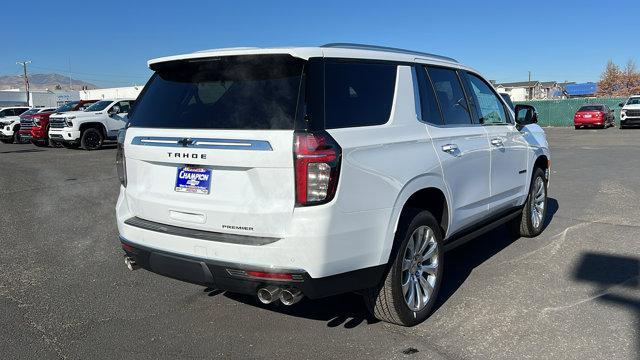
{"x":229,"y":276}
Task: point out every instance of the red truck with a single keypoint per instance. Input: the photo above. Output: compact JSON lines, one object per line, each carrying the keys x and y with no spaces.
{"x":36,"y":127}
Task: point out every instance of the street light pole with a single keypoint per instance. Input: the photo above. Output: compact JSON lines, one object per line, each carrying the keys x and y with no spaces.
{"x":26,"y":78}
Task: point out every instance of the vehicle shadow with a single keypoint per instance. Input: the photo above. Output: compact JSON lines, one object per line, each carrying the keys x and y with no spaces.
{"x":21,"y":151}
{"x":610,"y":275}
{"x":460,"y":262}
{"x":349,"y":310}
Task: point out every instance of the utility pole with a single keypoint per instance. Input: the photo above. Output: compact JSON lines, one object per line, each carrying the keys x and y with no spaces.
{"x":69,"y":58}
{"x":529,"y":75}
{"x":26,"y":78}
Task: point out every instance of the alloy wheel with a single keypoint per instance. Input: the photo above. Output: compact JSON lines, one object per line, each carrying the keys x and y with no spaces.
{"x":419,"y":268}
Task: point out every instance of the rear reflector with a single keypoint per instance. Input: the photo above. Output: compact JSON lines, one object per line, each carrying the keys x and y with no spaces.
{"x":266,"y":275}
{"x":128,"y":248}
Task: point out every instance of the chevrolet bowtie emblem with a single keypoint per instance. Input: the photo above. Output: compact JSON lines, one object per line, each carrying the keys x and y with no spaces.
{"x":185,"y":142}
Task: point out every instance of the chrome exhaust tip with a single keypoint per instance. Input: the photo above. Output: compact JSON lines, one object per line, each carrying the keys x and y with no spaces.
{"x":290,"y":296}
{"x":269,"y":294}
{"x":131,"y":263}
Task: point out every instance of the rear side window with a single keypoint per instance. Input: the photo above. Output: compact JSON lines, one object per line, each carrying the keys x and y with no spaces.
{"x":358,"y":94}
{"x":450,"y":96}
{"x":234,"y":92}
{"x":429,"y":106}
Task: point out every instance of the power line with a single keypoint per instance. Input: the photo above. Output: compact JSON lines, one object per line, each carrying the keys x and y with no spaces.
{"x":94,"y":74}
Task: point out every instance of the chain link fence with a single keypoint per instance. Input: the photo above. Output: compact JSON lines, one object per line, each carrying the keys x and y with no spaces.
{"x":560,"y":112}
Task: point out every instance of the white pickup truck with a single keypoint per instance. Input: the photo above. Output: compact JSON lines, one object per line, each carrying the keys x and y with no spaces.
{"x":90,"y":128}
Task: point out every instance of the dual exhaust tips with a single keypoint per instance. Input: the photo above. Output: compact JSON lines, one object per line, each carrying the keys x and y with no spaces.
{"x":271,"y":293}
{"x":266,"y":295}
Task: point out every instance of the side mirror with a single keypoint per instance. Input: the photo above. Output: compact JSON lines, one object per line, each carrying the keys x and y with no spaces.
{"x":115,"y":109}
{"x":621,"y":104}
{"x":526,"y":114}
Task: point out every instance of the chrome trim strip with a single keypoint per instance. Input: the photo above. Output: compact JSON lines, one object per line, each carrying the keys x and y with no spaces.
{"x":199,"y":234}
{"x":203,"y":143}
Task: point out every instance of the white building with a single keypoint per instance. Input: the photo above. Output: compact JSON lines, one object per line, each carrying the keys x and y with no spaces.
{"x":129,"y":92}
{"x":38,"y":98}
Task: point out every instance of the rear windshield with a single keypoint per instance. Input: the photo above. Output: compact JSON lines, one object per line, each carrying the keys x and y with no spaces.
{"x":591,"y":108}
{"x":257,"y":92}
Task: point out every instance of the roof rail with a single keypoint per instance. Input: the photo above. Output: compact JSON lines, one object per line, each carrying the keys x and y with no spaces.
{"x":385,"y":48}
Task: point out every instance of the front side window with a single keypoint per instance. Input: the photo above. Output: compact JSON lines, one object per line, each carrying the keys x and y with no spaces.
{"x":125,"y":106}
{"x":490,"y":108}
{"x":450,"y":96}
{"x":358,"y":94}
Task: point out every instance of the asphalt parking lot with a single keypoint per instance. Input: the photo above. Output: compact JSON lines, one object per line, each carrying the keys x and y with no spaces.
{"x":571,"y":293}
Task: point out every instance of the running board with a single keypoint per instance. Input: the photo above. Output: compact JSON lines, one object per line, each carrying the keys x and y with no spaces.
{"x":465,"y":236}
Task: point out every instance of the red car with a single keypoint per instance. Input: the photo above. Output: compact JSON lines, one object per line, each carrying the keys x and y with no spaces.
{"x":36,"y":127}
{"x":594,"y":115}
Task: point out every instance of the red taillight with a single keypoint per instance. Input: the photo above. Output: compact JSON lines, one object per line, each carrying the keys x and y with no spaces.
{"x":266,"y":275}
{"x":317,"y":167}
{"x":598,"y":114}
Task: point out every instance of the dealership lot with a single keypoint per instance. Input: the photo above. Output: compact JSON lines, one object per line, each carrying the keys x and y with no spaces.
{"x":573,"y":292}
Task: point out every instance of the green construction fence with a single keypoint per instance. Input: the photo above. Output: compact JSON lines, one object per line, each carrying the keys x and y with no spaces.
{"x":560,"y":112}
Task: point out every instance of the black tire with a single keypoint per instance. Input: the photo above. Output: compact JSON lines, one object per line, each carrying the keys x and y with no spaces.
{"x":17,"y":139}
{"x":41,"y":143}
{"x":91,"y":139}
{"x":68,"y":145}
{"x":55,"y":144}
{"x":6,"y":141}
{"x":387,"y":301}
{"x":577,"y":127}
{"x":524,"y":225}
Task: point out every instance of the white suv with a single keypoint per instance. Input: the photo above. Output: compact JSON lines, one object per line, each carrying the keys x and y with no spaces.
{"x":91,"y":127}
{"x":10,"y":123}
{"x":296,"y":172}
{"x":630,"y":113}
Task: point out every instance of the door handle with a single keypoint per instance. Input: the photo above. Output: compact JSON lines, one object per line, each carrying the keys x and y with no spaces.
{"x":496,"y":142}
{"x":449,"y":148}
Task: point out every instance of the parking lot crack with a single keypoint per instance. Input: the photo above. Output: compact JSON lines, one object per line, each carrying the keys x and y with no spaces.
{"x":49,"y":340}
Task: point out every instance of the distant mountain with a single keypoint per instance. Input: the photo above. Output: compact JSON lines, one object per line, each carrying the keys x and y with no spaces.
{"x":43,"y":81}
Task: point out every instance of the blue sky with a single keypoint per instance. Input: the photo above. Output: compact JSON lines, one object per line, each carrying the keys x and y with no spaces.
{"x":108,"y":43}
